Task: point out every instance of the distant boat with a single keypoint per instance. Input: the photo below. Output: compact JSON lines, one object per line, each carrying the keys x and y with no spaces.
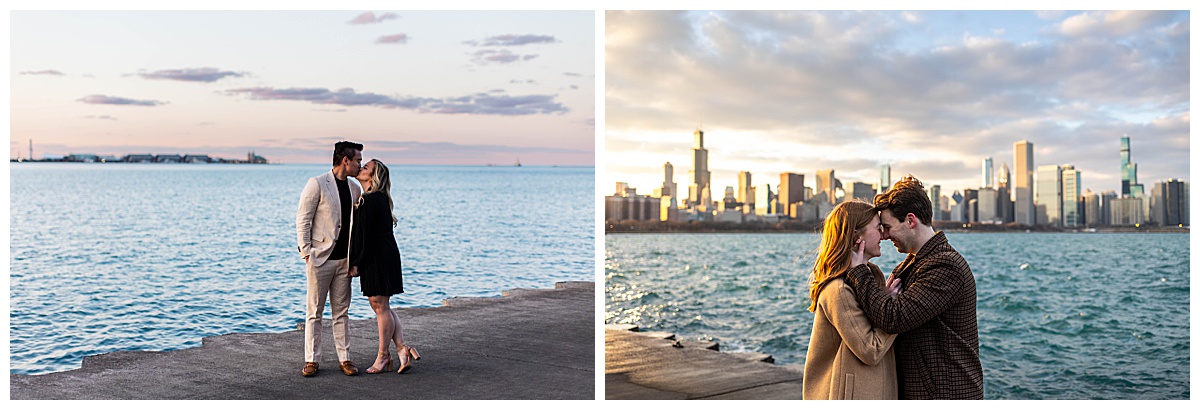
{"x":518,"y":163}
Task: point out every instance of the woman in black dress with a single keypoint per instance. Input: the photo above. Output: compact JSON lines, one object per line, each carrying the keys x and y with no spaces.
{"x":375,"y":258}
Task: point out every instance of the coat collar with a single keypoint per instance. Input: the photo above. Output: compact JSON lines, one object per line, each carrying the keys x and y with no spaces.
{"x":330,"y":184}
{"x":934,"y":244}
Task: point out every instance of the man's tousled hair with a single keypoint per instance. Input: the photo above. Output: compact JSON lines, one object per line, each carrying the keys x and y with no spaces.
{"x":907,"y":196}
{"x":344,"y":149}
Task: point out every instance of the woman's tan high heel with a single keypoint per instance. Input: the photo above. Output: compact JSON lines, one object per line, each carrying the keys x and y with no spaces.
{"x":411,"y":354}
{"x":386,"y":368}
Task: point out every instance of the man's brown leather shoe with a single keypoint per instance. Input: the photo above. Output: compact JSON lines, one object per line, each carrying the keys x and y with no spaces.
{"x":349,"y":369}
{"x":310,"y":369}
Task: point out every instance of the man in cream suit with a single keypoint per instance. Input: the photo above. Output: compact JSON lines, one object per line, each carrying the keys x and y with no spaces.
{"x":323,"y":233}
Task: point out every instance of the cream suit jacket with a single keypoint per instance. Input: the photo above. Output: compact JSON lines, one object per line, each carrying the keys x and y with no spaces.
{"x":319,"y":216}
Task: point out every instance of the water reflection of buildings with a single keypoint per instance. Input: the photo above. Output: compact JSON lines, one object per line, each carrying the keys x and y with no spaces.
{"x":1046,"y":195}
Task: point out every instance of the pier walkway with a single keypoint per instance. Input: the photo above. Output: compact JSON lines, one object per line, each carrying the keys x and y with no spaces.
{"x":652,"y":365}
{"x":528,"y":344}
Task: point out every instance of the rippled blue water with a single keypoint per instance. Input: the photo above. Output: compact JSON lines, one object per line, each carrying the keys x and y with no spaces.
{"x":1061,"y":316}
{"x":111,"y":257}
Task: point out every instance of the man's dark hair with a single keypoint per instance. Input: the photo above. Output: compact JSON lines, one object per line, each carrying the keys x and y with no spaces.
{"x":907,"y":196}
{"x":344,"y":149}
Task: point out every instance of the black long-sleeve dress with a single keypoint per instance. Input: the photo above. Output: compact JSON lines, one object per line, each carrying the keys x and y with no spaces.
{"x":373,"y":247}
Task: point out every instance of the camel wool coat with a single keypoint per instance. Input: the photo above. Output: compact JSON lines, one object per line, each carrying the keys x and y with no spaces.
{"x":847,"y":357}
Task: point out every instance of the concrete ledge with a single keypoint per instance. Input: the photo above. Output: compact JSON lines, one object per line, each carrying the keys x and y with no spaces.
{"x":648,"y":367}
{"x":658,"y":335}
{"x":696,"y":344}
{"x":536,"y":345}
{"x":754,"y":357}
{"x":466,"y":301}
{"x":575,"y":285}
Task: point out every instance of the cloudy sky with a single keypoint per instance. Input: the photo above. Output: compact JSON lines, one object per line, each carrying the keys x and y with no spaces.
{"x":415,"y":87}
{"x":930,"y":92}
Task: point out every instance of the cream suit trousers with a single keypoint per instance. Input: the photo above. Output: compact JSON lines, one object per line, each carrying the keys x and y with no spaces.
{"x":330,"y":278}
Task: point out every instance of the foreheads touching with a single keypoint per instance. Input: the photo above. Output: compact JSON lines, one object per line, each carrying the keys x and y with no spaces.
{"x":889,"y":222}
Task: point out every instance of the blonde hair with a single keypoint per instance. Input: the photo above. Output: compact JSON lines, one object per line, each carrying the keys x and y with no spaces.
{"x":845,"y":224}
{"x":381,"y":182}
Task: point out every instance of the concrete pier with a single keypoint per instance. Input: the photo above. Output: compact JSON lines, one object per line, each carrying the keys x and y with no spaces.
{"x":653,"y":365}
{"x":528,"y":344}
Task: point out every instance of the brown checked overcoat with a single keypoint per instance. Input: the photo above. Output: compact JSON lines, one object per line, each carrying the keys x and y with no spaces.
{"x":937,"y":347}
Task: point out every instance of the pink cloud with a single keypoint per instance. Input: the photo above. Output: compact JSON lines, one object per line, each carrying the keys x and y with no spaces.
{"x":393,"y":39}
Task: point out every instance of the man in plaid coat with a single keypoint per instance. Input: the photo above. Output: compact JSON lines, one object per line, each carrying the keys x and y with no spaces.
{"x":937,"y":349}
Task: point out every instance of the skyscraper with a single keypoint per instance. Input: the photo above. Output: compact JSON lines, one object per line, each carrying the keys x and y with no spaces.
{"x":827,"y":183}
{"x":1004,"y":204}
{"x":791,"y":191}
{"x":764,"y":200}
{"x":1106,"y":205}
{"x":1168,"y":203}
{"x":1023,"y":210}
{"x":1091,"y":209}
{"x":985,"y":209}
{"x":700,"y":174}
{"x":885,"y":177}
{"x":669,"y":186}
{"x":745,"y":192}
{"x":1125,"y":211}
{"x":935,"y":193}
{"x":1048,"y":195}
{"x":1071,"y":193}
{"x":729,"y":201}
{"x":863,"y":191}
{"x":1128,"y":169}
{"x":987,"y":173}
{"x":1129,"y":185}
{"x":970,"y":213}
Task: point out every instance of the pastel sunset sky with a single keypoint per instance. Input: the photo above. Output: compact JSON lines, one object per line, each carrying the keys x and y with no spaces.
{"x":930,"y":92}
{"x":415,"y":87}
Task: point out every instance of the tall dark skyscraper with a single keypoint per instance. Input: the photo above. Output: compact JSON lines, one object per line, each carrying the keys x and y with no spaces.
{"x":699,"y":190}
{"x":1169,"y":203}
{"x":885,"y":177}
{"x":1129,"y":186}
{"x":1022,"y":181}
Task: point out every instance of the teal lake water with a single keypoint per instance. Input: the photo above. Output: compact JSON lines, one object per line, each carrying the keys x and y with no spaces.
{"x":1061,"y":316}
{"x":154,"y":257}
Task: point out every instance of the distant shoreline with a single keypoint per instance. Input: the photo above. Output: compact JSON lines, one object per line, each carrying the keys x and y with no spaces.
{"x":14,"y":161}
{"x":251,"y":158}
{"x":636,"y":227}
{"x":1148,"y":231}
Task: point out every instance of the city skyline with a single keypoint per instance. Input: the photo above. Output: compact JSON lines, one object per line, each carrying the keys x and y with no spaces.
{"x":930,"y":93}
{"x":415,"y":87}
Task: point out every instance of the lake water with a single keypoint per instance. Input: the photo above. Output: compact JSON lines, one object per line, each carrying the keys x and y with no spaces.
{"x":108,"y":257}
{"x":1061,"y":316}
